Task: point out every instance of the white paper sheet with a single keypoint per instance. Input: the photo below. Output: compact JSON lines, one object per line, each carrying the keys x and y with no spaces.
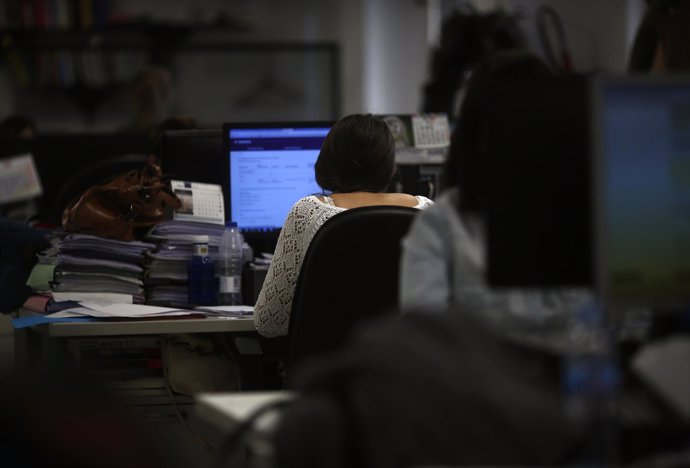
{"x":19,"y":179}
{"x":131,"y":310}
{"x":87,"y":312}
{"x":98,"y":298}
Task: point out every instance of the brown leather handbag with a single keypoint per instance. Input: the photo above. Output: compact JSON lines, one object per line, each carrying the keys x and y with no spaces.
{"x":123,"y":207}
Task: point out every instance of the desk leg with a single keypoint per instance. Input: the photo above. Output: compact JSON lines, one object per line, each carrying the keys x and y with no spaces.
{"x":32,"y":347}
{"x":22,"y":348}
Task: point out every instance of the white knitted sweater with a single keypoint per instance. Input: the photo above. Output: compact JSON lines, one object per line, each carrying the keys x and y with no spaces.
{"x":273,"y":306}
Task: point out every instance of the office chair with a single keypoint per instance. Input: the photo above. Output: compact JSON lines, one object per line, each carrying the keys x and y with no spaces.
{"x":349,"y":274}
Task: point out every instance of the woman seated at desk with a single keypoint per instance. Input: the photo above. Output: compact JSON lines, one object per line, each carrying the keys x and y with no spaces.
{"x":356,"y":164}
{"x":443,"y":261}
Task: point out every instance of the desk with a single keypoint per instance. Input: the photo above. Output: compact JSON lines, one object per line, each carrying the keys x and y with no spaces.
{"x":126,"y":355}
{"x":144,"y":326}
{"x":49,"y":337}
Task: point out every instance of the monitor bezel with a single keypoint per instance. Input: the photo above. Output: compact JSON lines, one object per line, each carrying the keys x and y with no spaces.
{"x":227,"y":126}
{"x":168,"y":138}
{"x":598,"y":84}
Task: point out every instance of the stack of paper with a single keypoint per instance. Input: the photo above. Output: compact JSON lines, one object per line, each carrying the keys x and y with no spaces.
{"x":85,"y":263}
{"x":165,"y":275}
{"x":226,"y":310}
{"x":98,"y":309}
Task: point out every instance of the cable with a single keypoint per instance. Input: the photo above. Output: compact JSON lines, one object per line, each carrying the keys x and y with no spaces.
{"x":432,"y":189}
{"x":562,"y":60}
{"x":197,"y":438}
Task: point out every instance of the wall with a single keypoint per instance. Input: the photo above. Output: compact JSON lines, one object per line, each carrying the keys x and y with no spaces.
{"x":384,"y":46}
{"x":395,"y":58}
{"x":599,"y":33}
{"x":382,"y":61}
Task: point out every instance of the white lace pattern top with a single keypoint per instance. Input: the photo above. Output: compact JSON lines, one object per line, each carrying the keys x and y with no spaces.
{"x":273,"y":306}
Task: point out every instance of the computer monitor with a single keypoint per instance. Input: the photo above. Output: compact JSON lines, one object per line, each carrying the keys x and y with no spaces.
{"x":196,"y":156}
{"x":271,"y":166}
{"x":641,"y":140}
{"x":537,"y":187}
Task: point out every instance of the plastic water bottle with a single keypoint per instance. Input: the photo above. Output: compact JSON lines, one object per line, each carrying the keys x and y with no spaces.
{"x":201,"y":287}
{"x":590,"y":378}
{"x":230,"y":263}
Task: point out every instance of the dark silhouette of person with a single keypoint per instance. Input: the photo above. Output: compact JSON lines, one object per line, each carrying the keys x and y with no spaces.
{"x":150,"y":93}
{"x":662,"y":42}
{"x":18,"y":126}
{"x":467,"y":37}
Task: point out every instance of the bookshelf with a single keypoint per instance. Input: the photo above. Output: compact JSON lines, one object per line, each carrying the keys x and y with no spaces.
{"x":86,"y":49}
{"x":74,"y":59}
{"x":104,"y":59}
{"x":88,"y":15}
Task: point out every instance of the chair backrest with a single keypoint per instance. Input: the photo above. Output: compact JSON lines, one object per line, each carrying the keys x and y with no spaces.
{"x":349,"y":274}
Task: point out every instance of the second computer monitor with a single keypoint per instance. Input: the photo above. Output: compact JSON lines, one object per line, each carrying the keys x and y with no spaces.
{"x":642,"y":146}
{"x":271,"y":167}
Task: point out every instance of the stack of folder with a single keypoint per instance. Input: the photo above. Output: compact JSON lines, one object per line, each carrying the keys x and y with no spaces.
{"x":86,"y":263}
{"x":165,"y":274}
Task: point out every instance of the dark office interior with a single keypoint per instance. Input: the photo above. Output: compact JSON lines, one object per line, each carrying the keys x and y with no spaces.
{"x":583,"y":198}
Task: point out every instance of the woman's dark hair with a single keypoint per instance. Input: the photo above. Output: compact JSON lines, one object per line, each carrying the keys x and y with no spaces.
{"x":649,"y":34}
{"x":15,"y":125}
{"x":358,"y":155}
{"x":465,"y":166}
{"x":467,"y":37}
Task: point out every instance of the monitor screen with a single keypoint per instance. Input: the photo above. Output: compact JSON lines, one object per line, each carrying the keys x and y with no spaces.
{"x":642,"y":140}
{"x":271,"y":167}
